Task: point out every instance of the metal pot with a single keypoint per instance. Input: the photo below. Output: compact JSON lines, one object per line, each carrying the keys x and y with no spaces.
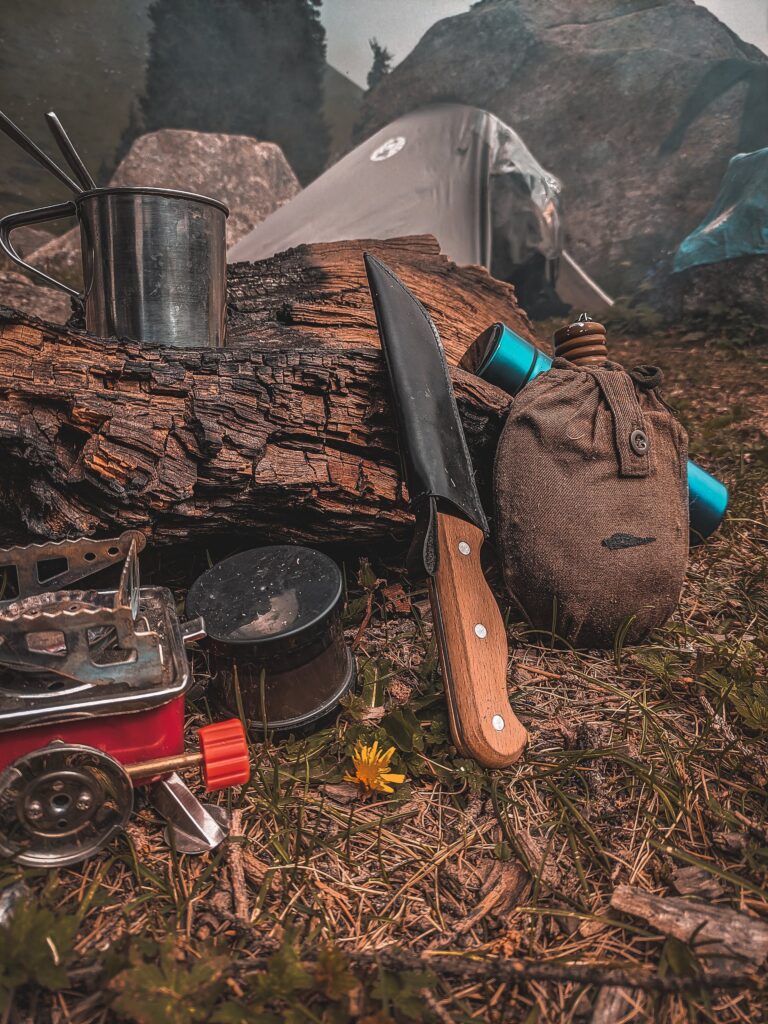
{"x":273,"y":620}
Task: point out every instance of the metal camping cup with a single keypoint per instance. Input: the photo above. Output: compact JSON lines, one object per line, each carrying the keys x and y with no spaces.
{"x":154,"y":263}
{"x":505,"y":359}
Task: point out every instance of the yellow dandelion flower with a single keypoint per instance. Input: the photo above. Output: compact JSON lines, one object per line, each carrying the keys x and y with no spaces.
{"x":371,"y":766}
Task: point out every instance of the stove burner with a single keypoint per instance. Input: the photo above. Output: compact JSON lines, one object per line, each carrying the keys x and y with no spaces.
{"x":92,"y":703}
{"x":60,"y":804}
{"x":88,"y":636}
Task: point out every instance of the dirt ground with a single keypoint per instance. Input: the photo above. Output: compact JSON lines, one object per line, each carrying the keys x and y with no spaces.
{"x":467,"y":895}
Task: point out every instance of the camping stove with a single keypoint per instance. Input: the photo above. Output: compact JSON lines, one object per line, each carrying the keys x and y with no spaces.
{"x":92,"y":692}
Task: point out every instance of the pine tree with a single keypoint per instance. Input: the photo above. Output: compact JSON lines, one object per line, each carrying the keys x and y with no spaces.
{"x":382,"y":63}
{"x":244,"y":67}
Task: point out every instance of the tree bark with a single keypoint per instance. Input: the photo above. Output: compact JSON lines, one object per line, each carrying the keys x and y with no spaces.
{"x":287,"y":431}
{"x":294,"y":442}
{"x":322,"y":290}
{"x":721,"y":937}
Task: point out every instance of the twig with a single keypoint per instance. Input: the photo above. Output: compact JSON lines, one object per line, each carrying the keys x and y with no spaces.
{"x":476,"y":969}
{"x":536,"y":671}
{"x":439,"y":1012}
{"x":237,"y":869}
{"x":470,"y":970}
{"x":366,"y":618}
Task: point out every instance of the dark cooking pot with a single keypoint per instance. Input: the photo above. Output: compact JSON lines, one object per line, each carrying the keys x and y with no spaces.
{"x":273,"y":620}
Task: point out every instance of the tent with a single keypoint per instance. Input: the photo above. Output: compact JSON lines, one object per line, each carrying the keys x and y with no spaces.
{"x":737,"y":224}
{"x":453,"y":171}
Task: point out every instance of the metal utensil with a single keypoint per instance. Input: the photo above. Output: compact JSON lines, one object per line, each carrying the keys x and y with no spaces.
{"x":154,"y":263}
{"x":450,"y":526}
{"x":275,"y":637}
{"x":17,"y":135}
{"x":69,"y":152}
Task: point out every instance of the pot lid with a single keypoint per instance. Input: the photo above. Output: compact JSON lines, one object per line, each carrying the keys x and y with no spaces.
{"x":266,"y":593}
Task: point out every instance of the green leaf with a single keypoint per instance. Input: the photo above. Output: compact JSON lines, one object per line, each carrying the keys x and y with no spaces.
{"x":332,"y":974}
{"x":367,"y":577}
{"x":401,"y":990}
{"x":355,"y":610}
{"x":168,"y":990}
{"x":285,"y":976}
{"x":678,"y":959}
{"x":34,"y":947}
{"x":404,"y":729}
{"x":238,"y":1013}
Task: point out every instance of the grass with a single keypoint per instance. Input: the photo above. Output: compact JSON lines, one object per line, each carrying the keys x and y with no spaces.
{"x":643,"y":762}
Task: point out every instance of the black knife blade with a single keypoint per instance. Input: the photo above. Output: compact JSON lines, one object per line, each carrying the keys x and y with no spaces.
{"x":436,"y":462}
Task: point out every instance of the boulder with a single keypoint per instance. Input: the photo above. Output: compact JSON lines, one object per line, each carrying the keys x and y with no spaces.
{"x":25,"y":241}
{"x":18,"y":291}
{"x":722,"y":298}
{"x":595,"y":89}
{"x":253,"y":178}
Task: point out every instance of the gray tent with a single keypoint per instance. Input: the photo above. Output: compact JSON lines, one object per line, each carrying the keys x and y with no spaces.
{"x":449,"y":170}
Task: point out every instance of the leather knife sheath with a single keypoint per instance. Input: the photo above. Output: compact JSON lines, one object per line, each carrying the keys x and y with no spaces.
{"x":436,"y":463}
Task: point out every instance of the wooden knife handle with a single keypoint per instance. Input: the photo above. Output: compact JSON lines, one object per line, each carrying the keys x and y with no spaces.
{"x":472,"y":642}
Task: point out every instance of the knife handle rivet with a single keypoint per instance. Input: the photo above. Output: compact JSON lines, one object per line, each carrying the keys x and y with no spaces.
{"x":464,"y":548}
{"x":481,"y":631}
{"x":497,"y":722}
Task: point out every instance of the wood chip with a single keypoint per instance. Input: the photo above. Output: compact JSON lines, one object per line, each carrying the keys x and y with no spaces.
{"x":615,"y":1004}
{"x":693,"y":881}
{"x":397,"y":599}
{"x":341,"y":793}
{"x":546,"y":870}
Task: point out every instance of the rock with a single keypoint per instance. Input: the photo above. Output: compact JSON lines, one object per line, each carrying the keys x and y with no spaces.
{"x":253,"y":178}
{"x":18,"y":291}
{"x":594,"y":89}
{"x":25,"y":241}
{"x":734,"y":292}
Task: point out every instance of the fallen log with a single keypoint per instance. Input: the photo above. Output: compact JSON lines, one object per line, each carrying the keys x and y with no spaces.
{"x":286,"y":432}
{"x":295,"y":441}
{"x":322,"y":290}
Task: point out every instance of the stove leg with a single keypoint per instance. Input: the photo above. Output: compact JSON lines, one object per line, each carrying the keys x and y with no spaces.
{"x":193,"y":827}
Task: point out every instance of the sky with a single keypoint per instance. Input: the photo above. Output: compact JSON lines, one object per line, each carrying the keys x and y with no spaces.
{"x":399,"y":24}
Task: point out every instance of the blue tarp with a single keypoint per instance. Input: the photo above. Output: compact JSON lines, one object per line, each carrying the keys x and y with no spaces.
{"x":737,"y":224}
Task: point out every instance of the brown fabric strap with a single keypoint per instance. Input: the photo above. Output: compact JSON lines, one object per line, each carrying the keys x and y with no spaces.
{"x":629,"y":427}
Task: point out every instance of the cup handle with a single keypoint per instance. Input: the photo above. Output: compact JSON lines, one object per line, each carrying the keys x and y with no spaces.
{"x":17,"y":220}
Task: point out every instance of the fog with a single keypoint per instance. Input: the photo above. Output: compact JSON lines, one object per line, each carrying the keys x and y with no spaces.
{"x":399,"y":24}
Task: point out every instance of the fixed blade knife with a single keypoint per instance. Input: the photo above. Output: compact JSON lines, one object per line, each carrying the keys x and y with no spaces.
{"x":450,"y":526}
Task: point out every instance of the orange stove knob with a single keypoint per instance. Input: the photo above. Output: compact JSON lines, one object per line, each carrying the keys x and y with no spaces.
{"x":225,"y":754}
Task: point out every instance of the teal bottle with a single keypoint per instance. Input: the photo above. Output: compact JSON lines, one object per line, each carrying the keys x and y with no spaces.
{"x":510,"y":361}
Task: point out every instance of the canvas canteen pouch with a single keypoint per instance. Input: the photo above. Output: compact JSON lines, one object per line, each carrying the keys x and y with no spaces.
{"x":592,"y":503}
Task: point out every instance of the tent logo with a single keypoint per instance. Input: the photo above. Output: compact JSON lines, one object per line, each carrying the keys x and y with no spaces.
{"x":389,"y":148}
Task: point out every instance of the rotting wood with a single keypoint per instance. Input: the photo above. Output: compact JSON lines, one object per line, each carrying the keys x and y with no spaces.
{"x":294,"y":441}
{"x":323,"y":289}
{"x":717,"y":934}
